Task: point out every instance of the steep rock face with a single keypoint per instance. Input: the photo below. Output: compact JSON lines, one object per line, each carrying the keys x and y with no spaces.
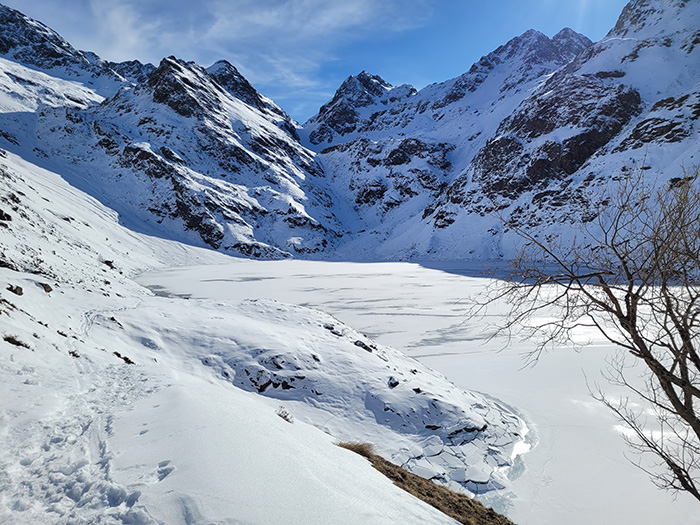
{"x":525,"y":154}
{"x":600,"y":115}
{"x":639,"y":15}
{"x":388,"y":179}
{"x":181,"y":152}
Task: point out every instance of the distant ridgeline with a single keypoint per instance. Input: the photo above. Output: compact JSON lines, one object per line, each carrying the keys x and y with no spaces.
{"x":528,"y":138}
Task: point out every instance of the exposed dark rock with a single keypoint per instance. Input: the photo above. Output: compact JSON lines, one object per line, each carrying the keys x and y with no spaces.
{"x":508,"y":166}
{"x":363,"y":345}
{"x":340,"y":116}
{"x":655,"y":129}
{"x":397,"y":157}
{"x":369,"y":192}
{"x":133,"y":70}
{"x":171,"y":85}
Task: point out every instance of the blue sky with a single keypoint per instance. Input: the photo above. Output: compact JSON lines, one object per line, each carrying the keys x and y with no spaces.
{"x":299,"y":51}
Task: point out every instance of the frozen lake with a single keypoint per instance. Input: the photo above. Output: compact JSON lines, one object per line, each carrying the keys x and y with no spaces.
{"x":577,"y":474}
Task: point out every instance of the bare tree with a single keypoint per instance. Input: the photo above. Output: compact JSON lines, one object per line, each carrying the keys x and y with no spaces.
{"x":633,"y":273}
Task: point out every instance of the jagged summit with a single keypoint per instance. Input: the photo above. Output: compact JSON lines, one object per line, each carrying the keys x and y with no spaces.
{"x":570,"y":43}
{"x":33,"y":43}
{"x":231,"y":80}
{"x":238,"y":86}
{"x":183,"y":86}
{"x":340,"y":115}
{"x":365,"y":102}
{"x":534,"y":47}
{"x":363,"y":88}
{"x":525,"y":57}
{"x":187,"y":156}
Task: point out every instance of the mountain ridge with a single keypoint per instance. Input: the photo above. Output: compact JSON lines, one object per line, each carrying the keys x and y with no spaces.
{"x":382,"y":171}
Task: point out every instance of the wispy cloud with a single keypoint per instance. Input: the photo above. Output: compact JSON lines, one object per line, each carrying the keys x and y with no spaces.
{"x":284,"y":39}
{"x":278,"y":44}
{"x":118,"y":32}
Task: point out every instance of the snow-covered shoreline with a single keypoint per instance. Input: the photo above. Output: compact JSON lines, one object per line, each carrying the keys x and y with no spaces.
{"x":578,"y":455}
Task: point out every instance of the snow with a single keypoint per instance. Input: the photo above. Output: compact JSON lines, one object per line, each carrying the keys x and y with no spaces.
{"x":142,"y":380}
{"x":171,"y":438}
{"x":577,"y":472}
{"x":222,"y":455}
{"x":89,"y":438}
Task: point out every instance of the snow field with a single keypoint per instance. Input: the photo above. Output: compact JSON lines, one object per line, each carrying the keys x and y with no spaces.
{"x":88,"y":438}
{"x":577,"y":471}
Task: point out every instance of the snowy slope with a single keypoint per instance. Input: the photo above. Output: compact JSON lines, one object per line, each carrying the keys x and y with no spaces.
{"x":95,"y":440}
{"x":107,"y":388}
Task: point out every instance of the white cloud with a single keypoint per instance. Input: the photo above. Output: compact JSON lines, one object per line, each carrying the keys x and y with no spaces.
{"x":277,"y":44}
{"x":118,"y":31}
{"x":289,"y":41}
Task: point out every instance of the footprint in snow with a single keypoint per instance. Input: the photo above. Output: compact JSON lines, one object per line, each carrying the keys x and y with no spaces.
{"x":164,"y":468}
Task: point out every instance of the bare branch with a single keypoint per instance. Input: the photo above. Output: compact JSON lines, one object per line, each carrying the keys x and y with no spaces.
{"x":633,"y":274}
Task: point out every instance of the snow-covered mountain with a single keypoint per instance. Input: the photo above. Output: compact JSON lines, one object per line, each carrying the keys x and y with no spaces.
{"x":394,"y":152}
{"x":110,"y":169}
{"x":185,"y":152}
{"x":524,"y":138}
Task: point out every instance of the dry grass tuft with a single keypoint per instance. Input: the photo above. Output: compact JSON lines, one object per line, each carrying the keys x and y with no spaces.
{"x":458,"y":506}
{"x":363,"y":449}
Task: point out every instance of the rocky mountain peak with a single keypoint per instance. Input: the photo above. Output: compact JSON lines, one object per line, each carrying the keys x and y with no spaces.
{"x":534,"y":47}
{"x":232,"y":81}
{"x":340,"y":115}
{"x":531,"y":48}
{"x":570,"y":43}
{"x":363,"y":88}
{"x":521,"y":60}
{"x":180,"y":85}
